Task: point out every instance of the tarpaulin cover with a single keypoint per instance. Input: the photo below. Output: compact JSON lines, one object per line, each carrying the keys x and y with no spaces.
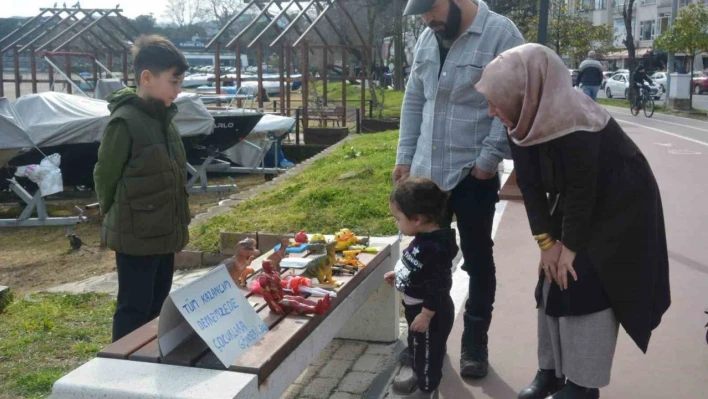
{"x":249,"y":156}
{"x":56,"y":118}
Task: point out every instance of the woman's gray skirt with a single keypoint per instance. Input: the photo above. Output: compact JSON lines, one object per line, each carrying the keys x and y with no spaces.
{"x":581,"y":348}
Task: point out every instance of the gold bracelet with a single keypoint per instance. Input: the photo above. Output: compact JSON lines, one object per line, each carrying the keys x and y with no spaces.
{"x":548,"y":246}
{"x":541,"y":237}
{"x":545,"y":241}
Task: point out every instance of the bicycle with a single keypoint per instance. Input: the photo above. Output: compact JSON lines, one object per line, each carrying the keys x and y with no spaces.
{"x":645,"y":101}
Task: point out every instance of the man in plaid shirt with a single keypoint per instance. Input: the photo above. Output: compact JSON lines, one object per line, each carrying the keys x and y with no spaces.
{"x":448,"y":136}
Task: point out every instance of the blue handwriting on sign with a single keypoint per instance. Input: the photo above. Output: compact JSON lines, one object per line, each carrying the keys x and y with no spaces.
{"x":222,"y":311}
{"x":239,"y":333}
{"x":215,"y":292}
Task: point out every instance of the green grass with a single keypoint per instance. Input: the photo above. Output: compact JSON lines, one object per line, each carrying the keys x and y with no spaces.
{"x":661,"y":109}
{"x":316,"y":200}
{"x":392,"y":100}
{"x":47,"y":335}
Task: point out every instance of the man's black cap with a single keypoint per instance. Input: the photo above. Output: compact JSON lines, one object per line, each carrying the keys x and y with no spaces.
{"x":417,"y":7}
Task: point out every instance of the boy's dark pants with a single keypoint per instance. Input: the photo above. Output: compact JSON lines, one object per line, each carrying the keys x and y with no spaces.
{"x":428,"y":349}
{"x":143,"y":285}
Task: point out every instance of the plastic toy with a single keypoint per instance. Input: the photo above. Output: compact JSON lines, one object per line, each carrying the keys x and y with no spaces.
{"x":318,"y":238}
{"x":297,"y":285}
{"x":321,"y":266}
{"x":237,"y":265}
{"x":301,"y":237}
{"x":278,"y":302}
{"x":345,"y":239}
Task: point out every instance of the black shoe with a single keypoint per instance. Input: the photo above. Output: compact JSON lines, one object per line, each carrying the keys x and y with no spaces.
{"x":546,"y":383}
{"x":474,"y":362}
{"x":573,"y":391}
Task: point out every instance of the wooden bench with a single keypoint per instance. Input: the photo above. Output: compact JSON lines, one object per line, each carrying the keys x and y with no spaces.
{"x":132,"y":366}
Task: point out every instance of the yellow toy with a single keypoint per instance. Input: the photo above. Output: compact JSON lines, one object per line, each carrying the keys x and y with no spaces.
{"x":321,"y":267}
{"x":345,"y":239}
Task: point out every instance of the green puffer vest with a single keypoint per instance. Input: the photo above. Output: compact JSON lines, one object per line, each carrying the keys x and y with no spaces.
{"x":150,"y":215}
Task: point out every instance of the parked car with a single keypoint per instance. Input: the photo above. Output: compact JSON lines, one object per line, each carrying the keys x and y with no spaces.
{"x":618,"y":85}
{"x":573,"y":76}
{"x":700,"y":82}
{"x":660,"y":79}
{"x":605,"y":77}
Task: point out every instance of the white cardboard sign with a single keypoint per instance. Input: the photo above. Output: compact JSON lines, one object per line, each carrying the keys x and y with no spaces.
{"x":214,"y":308}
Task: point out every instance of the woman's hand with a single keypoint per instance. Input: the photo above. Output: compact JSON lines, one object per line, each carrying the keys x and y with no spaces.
{"x":565,"y":266}
{"x":549,"y":261}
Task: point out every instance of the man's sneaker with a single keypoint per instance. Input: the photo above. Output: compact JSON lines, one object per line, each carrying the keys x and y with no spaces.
{"x":406,"y":382}
{"x":474,"y":363}
{"x":418,"y":394}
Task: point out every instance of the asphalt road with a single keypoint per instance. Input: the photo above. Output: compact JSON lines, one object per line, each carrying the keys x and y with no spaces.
{"x":677,"y":361}
{"x":699,"y":101}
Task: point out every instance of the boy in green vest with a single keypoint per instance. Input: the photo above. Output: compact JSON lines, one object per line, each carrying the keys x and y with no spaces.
{"x":140,"y":180}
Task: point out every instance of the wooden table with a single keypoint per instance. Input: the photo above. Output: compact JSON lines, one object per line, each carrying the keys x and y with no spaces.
{"x":291,"y":343}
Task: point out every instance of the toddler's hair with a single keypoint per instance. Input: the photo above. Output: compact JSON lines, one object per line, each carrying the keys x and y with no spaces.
{"x":418,"y":196}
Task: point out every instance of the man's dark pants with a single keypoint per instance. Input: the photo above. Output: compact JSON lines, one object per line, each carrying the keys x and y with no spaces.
{"x":143,"y":285}
{"x":473,"y":202}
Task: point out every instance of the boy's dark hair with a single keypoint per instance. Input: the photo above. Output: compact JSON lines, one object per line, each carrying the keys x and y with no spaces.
{"x":156,"y":54}
{"x":418,"y":196}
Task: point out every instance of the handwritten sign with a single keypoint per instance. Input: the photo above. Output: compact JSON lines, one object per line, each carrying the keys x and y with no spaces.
{"x":214,"y":308}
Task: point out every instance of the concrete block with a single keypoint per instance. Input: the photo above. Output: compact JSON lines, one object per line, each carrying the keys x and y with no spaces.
{"x":327,"y":353}
{"x":319,"y":388}
{"x":293,"y":392}
{"x":213,"y":259}
{"x":336,"y":369}
{"x":356,"y":382}
{"x":228,"y":241}
{"x":188,"y":260}
{"x":229,"y":202}
{"x":370,"y":364}
{"x":349,"y":351}
{"x":218,"y":210}
{"x":267,"y":241}
{"x":123,"y":379}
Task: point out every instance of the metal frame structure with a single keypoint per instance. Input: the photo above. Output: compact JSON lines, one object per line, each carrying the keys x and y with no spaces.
{"x":44,"y":31}
{"x":323,"y":10}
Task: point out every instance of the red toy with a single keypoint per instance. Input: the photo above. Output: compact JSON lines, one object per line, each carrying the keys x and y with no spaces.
{"x":279,"y":303}
{"x":301,"y":237}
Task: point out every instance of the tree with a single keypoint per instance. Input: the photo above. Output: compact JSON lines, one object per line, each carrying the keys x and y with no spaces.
{"x":627,"y":11}
{"x":415,"y":25}
{"x":145,"y":23}
{"x":186,"y":13}
{"x":688,"y":34}
{"x":224,"y":10}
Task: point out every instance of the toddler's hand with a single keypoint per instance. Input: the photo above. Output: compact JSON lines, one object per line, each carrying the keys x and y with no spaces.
{"x":421,"y":323}
{"x":390,"y":277}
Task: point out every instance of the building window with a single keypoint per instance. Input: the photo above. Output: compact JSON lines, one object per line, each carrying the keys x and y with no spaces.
{"x":647,"y":2}
{"x":662,"y":22}
{"x":646,"y":30}
{"x":600,"y":4}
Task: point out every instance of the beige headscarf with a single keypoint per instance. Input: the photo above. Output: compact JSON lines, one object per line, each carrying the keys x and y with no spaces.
{"x":531,"y":85}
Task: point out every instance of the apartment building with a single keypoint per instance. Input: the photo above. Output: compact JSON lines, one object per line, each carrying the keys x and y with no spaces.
{"x":651,"y":17}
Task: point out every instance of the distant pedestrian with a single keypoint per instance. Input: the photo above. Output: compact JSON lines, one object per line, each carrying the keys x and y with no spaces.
{"x":590,"y":75}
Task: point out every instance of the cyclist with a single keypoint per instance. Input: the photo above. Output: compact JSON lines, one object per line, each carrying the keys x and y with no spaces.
{"x":640,"y":76}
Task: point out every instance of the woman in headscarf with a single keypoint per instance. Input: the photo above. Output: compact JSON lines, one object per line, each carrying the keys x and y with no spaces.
{"x":595,"y":210}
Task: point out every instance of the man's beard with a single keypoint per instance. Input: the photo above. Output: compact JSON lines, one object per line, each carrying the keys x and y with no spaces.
{"x":452,"y":23}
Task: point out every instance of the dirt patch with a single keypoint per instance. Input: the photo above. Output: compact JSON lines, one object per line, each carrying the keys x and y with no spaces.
{"x":33,"y":259}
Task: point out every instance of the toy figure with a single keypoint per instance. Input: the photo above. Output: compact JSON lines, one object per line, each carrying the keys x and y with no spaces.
{"x":345,"y":239}
{"x":321,"y":266}
{"x":237,"y":265}
{"x":301,"y":237}
{"x":278,"y":255}
{"x":279,"y":303}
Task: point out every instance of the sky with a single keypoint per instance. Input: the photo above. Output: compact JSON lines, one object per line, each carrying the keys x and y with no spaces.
{"x":131,"y":8}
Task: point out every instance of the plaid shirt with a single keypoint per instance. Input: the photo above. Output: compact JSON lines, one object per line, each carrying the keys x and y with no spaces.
{"x":445,"y":123}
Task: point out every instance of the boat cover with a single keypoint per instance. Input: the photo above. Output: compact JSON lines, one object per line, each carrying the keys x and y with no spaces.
{"x":54,"y":118}
{"x":248,"y":155}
